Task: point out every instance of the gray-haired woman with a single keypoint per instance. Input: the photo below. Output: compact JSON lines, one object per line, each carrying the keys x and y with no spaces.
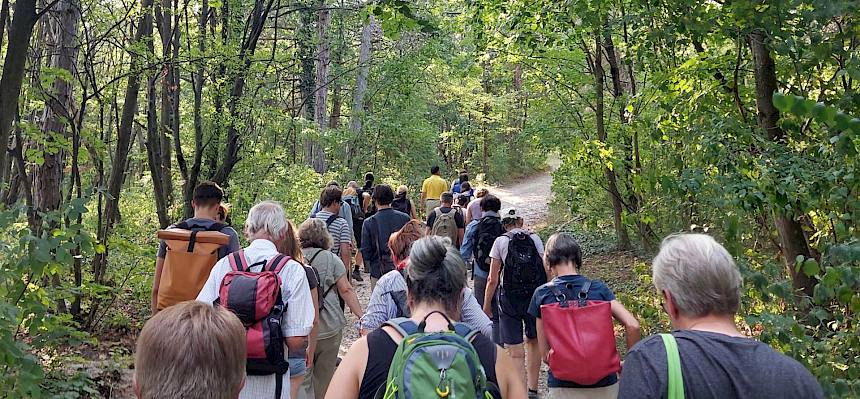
{"x":436,"y":278}
{"x":700,"y":286}
{"x":333,"y":287}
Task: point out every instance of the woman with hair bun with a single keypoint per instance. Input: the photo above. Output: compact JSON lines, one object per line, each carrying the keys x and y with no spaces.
{"x":436,"y":280}
{"x":388,"y":299}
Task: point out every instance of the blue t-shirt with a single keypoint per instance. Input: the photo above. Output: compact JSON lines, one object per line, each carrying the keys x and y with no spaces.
{"x":570,"y":286}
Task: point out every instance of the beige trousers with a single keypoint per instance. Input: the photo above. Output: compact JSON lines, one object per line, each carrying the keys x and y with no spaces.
{"x":431,"y":205}
{"x":319,"y":376}
{"x":610,"y":392}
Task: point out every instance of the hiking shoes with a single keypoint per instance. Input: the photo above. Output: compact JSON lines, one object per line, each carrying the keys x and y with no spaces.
{"x":356,"y":275}
{"x":533,"y":394}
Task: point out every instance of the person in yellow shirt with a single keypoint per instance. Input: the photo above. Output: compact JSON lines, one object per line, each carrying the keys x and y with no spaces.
{"x":432,"y":189}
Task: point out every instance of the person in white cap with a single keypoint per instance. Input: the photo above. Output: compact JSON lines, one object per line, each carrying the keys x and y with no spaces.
{"x":517,"y":262}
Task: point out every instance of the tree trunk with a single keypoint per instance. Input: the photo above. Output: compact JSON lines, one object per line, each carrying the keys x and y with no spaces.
{"x":358,"y":106}
{"x":153,"y":153}
{"x":249,"y":45}
{"x":63,"y":47}
{"x":123,"y":142}
{"x":791,"y":235}
{"x":631,"y":161}
{"x":169,"y":94}
{"x":609,"y":174}
{"x":318,"y":161}
{"x":20,"y":31}
{"x":197,"y":83}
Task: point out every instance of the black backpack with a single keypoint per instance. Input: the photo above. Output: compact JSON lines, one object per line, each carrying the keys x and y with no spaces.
{"x":523,"y":270}
{"x":488,"y":229}
{"x":401,"y":203}
{"x":355,"y":206}
{"x":399,"y":298}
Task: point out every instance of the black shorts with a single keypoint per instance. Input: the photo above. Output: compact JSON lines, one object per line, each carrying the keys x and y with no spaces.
{"x":514,"y":321}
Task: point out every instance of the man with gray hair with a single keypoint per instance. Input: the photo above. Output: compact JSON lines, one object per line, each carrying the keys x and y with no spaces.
{"x":700,"y":286}
{"x":266,"y":229}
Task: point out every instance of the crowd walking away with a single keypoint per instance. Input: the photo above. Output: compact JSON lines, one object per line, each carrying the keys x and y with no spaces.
{"x":465,"y":302}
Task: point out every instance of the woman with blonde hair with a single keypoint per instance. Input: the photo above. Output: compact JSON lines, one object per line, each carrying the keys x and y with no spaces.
{"x":315,"y":240}
{"x":388,"y":300}
{"x":473,"y":210}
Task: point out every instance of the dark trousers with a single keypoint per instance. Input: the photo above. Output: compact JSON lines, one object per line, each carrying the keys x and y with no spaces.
{"x":480,"y":288}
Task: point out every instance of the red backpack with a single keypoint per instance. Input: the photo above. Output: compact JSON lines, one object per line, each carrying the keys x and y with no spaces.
{"x":255,"y":297}
{"x":578,"y":335}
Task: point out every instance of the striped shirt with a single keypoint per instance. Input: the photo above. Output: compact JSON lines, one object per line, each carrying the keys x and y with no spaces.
{"x":382,"y":307}
{"x":297,"y":321}
{"x":340,"y":231}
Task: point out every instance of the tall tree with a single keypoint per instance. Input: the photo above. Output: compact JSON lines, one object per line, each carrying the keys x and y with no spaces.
{"x":20,"y":30}
{"x":600,"y":123}
{"x":791,"y":236}
{"x":62,"y":30}
{"x":123,"y":143}
{"x":323,"y":62}
{"x":365,"y":48}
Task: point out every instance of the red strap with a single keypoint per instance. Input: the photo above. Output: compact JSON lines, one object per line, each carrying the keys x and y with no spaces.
{"x":277,"y":263}
{"x":237,"y":260}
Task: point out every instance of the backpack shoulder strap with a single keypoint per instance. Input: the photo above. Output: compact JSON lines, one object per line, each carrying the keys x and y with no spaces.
{"x":330,"y":220}
{"x":559,"y":296}
{"x":404,"y":326}
{"x":217,"y":226}
{"x":237,"y":260}
{"x":676,"y":378}
{"x":314,"y":257}
{"x":466,"y":332}
{"x":583,"y":293}
{"x":399,"y":299}
{"x":277,"y":263}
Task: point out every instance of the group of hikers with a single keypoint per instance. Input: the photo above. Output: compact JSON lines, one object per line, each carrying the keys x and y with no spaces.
{"x":268,"y":320}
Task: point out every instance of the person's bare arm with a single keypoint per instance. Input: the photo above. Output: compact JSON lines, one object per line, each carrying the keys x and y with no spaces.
{"x":344,"y":288}
{"x":412,"y":213}
{"x":156,"y":281}
{"x":631,"y":325}
{"x":509,"y":381}
{"x":492,"y":284}
{"x":347,"y":377}
{"x":345,"y":254}
{"x":542,"y":342}
{"x":468,"y":213}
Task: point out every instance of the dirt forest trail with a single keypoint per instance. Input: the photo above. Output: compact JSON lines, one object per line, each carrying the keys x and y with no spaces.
{"x":531,"y":195}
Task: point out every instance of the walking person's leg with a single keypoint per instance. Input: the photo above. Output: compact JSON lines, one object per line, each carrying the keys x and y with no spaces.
{"x":533,"y":355}
{"x":306,"y":390}
{"x":511,"y":327}
{"x":480,"y":289}
{"x":325,"y":363}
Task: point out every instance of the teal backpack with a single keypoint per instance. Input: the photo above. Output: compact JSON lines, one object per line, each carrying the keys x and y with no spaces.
{"x":444,"y":363}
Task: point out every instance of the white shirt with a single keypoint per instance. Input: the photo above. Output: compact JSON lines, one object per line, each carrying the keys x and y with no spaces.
{"x":298,"y":319}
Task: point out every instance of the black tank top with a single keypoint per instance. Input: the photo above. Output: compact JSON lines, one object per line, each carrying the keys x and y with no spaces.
{"x":380,"y":344}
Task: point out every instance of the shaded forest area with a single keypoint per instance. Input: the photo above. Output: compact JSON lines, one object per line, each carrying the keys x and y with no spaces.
{"x":733,"y":117}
